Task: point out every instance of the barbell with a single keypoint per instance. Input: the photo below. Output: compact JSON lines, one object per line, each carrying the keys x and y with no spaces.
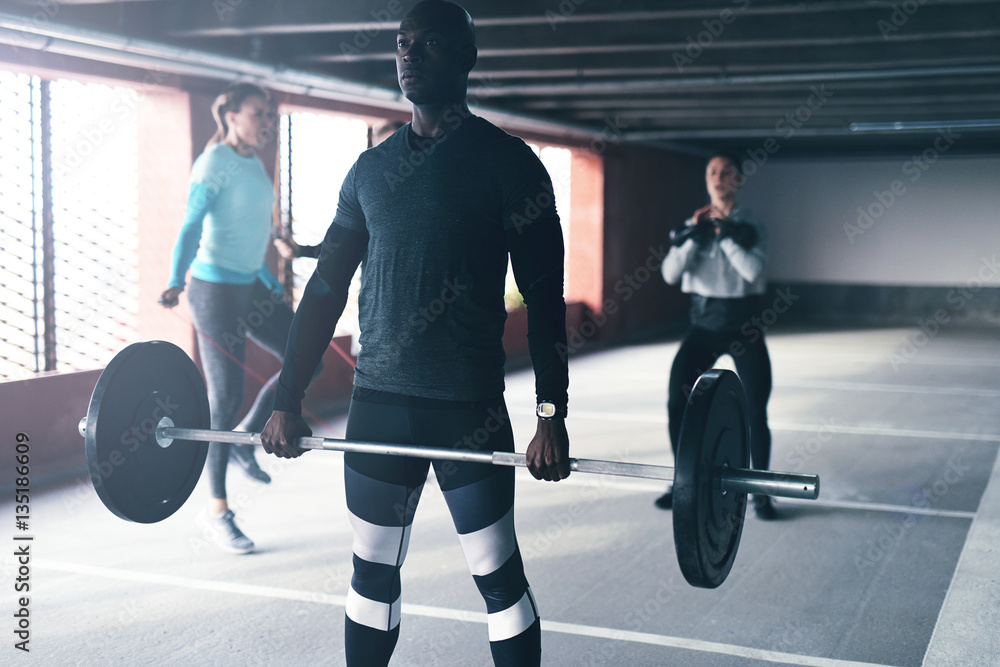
{"x":147,"y":440}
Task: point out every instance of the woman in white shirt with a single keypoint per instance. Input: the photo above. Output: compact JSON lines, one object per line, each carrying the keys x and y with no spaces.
{"x":719,"y":256}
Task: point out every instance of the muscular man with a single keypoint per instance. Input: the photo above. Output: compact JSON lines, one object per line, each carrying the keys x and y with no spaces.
{"x":437,"y":207}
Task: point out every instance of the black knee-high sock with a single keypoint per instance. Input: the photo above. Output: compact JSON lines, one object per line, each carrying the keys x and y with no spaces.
{"x":523,"y":650}
{"x":368,"y":647}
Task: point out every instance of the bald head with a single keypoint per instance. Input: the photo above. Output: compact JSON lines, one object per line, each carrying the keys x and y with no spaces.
{"x":447,"y":17}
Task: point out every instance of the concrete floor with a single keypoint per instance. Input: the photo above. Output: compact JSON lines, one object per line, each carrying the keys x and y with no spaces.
{"x":895,"y":564}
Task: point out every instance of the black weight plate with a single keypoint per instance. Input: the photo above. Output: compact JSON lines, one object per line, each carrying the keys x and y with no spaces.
{"x":134,"y":477}
{"x":707,"y":522}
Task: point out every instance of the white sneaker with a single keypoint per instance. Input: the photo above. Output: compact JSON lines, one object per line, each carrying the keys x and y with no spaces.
{"x":230,"y":537}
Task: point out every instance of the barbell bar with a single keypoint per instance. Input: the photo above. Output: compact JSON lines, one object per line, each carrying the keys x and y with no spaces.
{"x":146,"y":449}
{"x":735,"y":480}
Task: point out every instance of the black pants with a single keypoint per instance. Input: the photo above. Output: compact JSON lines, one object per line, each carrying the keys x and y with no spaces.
{"x":224,"y":315}
{"x":698,"y":352}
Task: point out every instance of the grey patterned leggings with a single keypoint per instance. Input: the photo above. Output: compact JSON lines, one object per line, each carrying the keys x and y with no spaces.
{"x":224,"y":315}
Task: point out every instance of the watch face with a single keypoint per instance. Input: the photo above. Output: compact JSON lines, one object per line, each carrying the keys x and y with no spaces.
{"x":546,"y":410}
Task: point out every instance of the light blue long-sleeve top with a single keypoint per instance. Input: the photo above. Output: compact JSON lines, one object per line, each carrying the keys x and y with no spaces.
{"x":227,"y":226}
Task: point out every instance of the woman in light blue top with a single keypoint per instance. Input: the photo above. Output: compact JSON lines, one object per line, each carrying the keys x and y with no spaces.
{"x":232,"y":293}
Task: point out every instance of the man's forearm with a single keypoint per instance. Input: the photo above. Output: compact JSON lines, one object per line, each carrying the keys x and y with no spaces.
{"x":311,"y":331}
{"x":547,"y":339}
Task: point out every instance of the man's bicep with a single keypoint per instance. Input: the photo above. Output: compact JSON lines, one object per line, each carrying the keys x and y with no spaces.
{"x":526,"y":188}
{"x":536,"y":251}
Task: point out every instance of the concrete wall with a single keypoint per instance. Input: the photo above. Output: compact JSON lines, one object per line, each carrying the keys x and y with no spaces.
{"x":888,"y":240}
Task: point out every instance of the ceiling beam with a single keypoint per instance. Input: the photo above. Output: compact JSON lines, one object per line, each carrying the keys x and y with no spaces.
{"x":729,"y":82}
{"x":244,"y":18}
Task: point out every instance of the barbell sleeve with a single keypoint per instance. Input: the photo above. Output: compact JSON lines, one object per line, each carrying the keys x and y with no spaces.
{"x":770,"y":483}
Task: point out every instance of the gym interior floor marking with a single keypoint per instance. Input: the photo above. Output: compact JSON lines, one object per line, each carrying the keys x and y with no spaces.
{"x":657,"y":487}
{"x":888,"y":388}
{"x":451,"y":614}
{"x":805,"y":428}
{"x":886,"y":431}
{"x":843,"y":385}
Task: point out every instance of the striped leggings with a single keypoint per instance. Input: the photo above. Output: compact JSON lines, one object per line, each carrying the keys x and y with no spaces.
{"x":382,"y":497}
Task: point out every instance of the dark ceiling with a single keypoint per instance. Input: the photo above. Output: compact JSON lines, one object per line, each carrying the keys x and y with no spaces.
{"x":807,"y":77}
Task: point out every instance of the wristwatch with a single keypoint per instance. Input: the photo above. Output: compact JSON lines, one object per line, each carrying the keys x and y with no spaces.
{"x":548,"y":410}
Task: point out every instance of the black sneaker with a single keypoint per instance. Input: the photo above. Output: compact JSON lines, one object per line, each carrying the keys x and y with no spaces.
{"x":666,"y":501}
{"x":763,"y":507}
{"x":244,"y":456}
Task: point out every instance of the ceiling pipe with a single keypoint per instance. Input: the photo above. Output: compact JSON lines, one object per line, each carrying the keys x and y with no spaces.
{"x":38,"y":35}
{"x":728,"y":81}
{"x":926,"y":126}
{"x":651,"y":136}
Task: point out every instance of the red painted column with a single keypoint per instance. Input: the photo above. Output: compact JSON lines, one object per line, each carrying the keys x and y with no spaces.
{"x":165,"y":146}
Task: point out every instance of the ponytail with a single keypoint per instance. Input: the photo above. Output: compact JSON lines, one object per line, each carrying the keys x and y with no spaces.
{"x":231,"y":99}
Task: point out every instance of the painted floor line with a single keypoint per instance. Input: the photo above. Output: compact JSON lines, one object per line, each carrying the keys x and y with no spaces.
{"x":965,"y":632}
{"x":647,"y":418}
{"x":918,"y":360}
{"x":643,"y":486}
{"x":846,"y":385}
{"x":885,"y":431}
{"x":888,"y":388}
{"x":882,"y":507}
{"x":699,"y":645}
{"x":447,"y":614}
